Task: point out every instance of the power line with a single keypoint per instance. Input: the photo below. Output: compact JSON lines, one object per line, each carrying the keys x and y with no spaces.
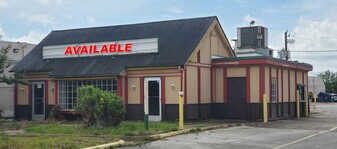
{"x":310,"y":50}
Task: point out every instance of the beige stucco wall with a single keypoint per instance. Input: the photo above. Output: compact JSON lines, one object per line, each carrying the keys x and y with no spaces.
{"x":23,"y":94}
{"x":285,"y":86}
{"x":219,"y":85}
{"x":267,"y":83}
{"x":292,"y":86}
{"x":192,"y":85}
{"x":299,"y":77}
{"x":279,"y":85}
{"x":134,"y":93}
{"x":205,"y":85}
{"x":205,"y":53}
{"x":171,"y":95}
{"x":273,"y":72}
{"x":236,"y":72}
{"x":254,"y":85}
{"x":51,"y":92}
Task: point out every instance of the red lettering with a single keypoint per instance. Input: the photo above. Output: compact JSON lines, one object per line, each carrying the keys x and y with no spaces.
{"x":68,"y":51}
{"x":95,"y":49}
{"x":84,"y":50}
{"x":112,"y":48}
{"x":104,"y":49}
{"x":77,"y":50}
{"x":128,"y":47}
{"x":90,"y":51}
{"x":120,"y":49}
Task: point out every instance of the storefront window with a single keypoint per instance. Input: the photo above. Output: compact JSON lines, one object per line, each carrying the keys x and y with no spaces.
{"x":274,"y":90}
{"x":67,"y":90}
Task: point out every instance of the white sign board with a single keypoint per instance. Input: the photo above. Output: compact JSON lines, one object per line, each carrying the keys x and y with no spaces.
{"x":148,"y":45}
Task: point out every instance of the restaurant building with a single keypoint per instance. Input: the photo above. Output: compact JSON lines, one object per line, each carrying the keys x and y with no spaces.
{"x":192,"y":56}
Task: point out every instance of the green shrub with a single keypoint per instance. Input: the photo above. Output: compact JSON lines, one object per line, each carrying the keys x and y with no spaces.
{"x":99,"y":108}
{"x":56,"y":112}
{"x":1,"y":113}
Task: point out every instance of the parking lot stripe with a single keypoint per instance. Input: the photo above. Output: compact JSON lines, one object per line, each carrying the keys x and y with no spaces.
{"x":307,"y":137}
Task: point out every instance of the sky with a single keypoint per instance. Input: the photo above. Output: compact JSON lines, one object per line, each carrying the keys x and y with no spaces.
{"x":311,"y":23}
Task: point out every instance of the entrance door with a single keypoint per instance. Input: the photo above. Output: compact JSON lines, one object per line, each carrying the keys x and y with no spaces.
{"x":152,"y":95}
{"x":301,"y":90}
{"x":38,"y":101}
{"x":236,"y":93}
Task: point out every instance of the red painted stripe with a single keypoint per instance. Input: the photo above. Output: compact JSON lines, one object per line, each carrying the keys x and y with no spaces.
{"x":181,"y":80}
{"x":295,"y":82}
{"x":270,"y":84}
{"x":262,"y":82}
{"x":303,"y":78}
{"x":30,"y":94}
{"x":119,"y":86}
{"x":154,"y":76}
{"x":163,"y":90}
{"x":282,"y":85}
{"x":211,"y":82}
{"x":225,"y":85}
{"x":126,"y":91}
{"x":198,"y":56}
{"x":141,"y":90}
{"x":56,"y":92}
{"x":185,"y":86}
{"x":247,"y":84}
{"x":46,"y":92}
{"x":289,"y":85}
{"x":278,"y":93}
{"x":16,"y":94}
{"x":199,"y":85}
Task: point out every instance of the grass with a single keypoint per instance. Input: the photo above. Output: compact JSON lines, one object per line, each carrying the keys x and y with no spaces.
{"x":44,"y":142}
{"x":124,"y":129}
{"x":52,"y":135}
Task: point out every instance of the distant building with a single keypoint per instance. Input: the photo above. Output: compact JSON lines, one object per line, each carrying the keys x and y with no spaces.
{"x":316,"y":84}
{"x":17,"y":51}
{"x":252,"y":41}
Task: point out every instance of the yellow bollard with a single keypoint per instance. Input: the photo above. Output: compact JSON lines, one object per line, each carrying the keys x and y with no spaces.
{"x":265,"y":108}
{"x":297,"y":103}
{"x":181,"y":110}
{"x":307,"y":104}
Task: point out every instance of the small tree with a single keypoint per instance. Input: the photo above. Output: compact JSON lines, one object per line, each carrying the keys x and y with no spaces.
{"x":330,"y":81}
{"x":4,"y":63}
{"x":87,"y":99}
{"x":99,"y":108}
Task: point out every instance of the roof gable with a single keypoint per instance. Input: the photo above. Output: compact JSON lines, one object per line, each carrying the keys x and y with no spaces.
{"x":176,"y":41}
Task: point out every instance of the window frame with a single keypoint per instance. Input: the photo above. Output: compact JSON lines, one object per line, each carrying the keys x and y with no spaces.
{"x":67,"y":90}
{"x":273,"y":89}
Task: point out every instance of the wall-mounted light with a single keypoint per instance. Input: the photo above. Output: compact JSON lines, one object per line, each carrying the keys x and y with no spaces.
{"x":52,"y":89}
{"x":133,"y":87}
{"x":22,"y":89}
{"x":172,"y":86}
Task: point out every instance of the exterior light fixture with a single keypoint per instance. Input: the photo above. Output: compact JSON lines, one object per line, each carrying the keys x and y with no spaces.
{"x":133,"y":87}
{"x":172,"y":86}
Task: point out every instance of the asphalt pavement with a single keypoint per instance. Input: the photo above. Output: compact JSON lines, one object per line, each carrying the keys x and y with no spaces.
{"x":317,"y":131}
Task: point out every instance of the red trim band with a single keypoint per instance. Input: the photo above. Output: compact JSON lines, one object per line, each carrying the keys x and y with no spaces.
{"x":119,"y":86}
{"x":199,"y":84}
{"x":141,"y":90}
{"x":225,"y":85}
{"x":46,"y":92}
{"x":247,"y":84}
{"x":163,"y":90}
{"x":262,"y":82}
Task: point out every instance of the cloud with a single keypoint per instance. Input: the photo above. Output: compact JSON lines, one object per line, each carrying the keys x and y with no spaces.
{"x":31,"y":37}
{"x":39,"y":18}
{"x":44,"y":2}
{"x":316,"y":35}
{"x":176,"y":10}
{"x":3,"y":3}
{"x":91,"y":19}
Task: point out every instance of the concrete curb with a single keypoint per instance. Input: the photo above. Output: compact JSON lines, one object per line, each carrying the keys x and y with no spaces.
{"x":119,"y":143}
{"x":185,"y":131}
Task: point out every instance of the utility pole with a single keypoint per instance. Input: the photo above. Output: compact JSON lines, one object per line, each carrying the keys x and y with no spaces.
{"x":286,"y":44}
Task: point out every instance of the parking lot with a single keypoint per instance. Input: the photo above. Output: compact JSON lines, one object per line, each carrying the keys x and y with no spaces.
{"x":317,"y":131}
